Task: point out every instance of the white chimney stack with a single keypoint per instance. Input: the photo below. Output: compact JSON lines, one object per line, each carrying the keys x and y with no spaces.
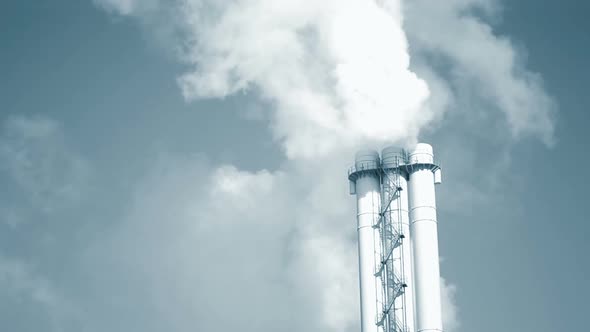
{"x":366,"y":185}
{"x":398,"y":241}
{"x":423,"y":229}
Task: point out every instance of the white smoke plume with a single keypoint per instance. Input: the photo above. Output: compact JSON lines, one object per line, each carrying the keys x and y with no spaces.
{"x":450,"y":314}
{"x":240,"y":250}
{"x":334,"y":75}
{"x":335,"y":72}
{"x":482,"y":64}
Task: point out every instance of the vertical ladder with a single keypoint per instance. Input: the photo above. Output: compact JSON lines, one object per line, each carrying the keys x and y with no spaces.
{"x":390,"y":228}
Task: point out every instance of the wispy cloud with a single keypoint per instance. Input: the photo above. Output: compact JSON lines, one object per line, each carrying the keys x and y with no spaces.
{"x":453,"y":39}
{"x":41,"y":173}
{"x":21,"y":283}
{"x":450,"y":311}
{"x":18,"y":279}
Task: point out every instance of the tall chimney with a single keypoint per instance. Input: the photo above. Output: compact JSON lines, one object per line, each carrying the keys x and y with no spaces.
{"x":397,"y":238}
{"x":395,"y":193}
{"x":423,"y":229}
{"x":365,"y":182}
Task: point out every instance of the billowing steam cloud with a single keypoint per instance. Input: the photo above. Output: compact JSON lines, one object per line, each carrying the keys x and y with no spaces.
{"x":335,"y":72}
{"x":481,"y":64}
{"x":334,"y":75}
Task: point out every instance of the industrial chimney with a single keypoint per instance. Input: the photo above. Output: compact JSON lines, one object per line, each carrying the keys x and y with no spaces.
{"x":398,"y":242}
{"x":366,"y":183}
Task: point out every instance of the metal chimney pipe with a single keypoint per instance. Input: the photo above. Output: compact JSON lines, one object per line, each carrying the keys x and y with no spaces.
{"x":393,"y":164}
{"x":365,"y":182}
{"x":423,"y":228}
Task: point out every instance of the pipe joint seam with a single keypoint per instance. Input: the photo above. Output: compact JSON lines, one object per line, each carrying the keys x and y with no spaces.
{"x":424,"y":220}
{"x":423,"y":207}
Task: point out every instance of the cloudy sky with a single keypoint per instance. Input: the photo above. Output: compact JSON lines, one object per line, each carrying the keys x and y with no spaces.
{"x":180,"y":165}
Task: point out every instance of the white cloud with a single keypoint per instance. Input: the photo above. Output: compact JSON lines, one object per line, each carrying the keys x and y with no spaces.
{"x":254,"y":250}
{"x":335,"y":72}
{"x":323,"y":64}
{"x":482,"y":64}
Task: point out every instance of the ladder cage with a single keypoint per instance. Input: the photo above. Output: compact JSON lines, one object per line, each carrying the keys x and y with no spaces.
{"x":392,"y":316}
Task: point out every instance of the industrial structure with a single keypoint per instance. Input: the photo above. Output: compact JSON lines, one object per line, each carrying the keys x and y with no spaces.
{"x":398,"y":242}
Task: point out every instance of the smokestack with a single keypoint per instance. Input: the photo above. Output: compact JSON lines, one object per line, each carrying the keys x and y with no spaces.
{"x":365,"y":182}
{"x":398,"y":241}
{"x":395,"y":193}
{"x":423,"y":227}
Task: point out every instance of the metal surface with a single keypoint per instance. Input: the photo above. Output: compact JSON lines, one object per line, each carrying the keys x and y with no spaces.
{"x":367,"y":187}
{"x":398,"y":241}
{"x":423,"y":227}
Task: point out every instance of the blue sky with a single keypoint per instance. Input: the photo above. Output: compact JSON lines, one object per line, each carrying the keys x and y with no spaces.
{"x":130,"y":204}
